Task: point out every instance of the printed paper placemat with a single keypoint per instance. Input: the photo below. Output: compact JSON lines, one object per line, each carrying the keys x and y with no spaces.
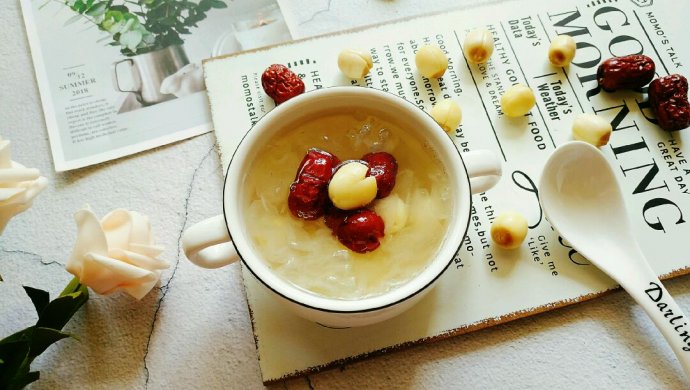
{"x":485,"y":285}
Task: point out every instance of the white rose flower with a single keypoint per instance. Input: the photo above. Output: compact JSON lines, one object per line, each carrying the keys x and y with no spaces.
{"x":116,"y":253}
{"x":18,"y":185}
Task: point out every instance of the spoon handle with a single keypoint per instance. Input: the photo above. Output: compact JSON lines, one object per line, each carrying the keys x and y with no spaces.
{"x":674,"y":325}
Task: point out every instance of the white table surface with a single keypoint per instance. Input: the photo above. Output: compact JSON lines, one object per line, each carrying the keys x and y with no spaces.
{"x":194,"y":330}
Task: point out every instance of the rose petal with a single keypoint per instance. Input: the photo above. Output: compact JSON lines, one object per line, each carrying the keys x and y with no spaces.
{"x":146,"y":249}
{"x":18,"y":185}
{"x":5,"y":156}
{"x":90,"y":239}
{"x":139,"y":291}
{"x":7,"y":212}
{"x":7,"y":193}
{"x":138,"y":260}
{"x":117,"y":226}
{"x":141,"y":229}
{"x":105,"y":275}
{"x":123,"y":256}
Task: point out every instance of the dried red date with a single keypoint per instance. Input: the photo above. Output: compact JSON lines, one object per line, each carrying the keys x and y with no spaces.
{"x":668,"y":98}
{"x":628,"y":72}
{"x":280,"y":83}
{"x":361,"y":231}
{"x":309,"y":192}
{"x":334,"y":217}
{"x":384,"y":168}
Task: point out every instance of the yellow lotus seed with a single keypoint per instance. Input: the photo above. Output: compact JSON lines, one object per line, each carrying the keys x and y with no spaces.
{"x":562,"y":50}
{"x":478,"y":45}
{"x":431,"y":61}
{"x":447,"y":114}
{"x":592,"y":129}
{"x":509,"y":230}
{"x":517,"y":100}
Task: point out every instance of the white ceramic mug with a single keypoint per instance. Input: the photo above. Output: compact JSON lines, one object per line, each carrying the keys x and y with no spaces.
{"x":209,"y":243}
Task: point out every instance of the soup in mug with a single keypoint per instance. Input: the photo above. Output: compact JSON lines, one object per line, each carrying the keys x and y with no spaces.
{"x":306,"y":252}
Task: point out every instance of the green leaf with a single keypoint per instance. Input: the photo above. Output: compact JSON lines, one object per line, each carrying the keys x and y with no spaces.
{"x":204,"y":5}
{"x":168,"y":22}
{"x":39,"y":339}
{"x":182,"y":30}
{"x":15,"y":356}
{"x":60,"y":310}
{"x":105,"y":38}
{"x":42,"y":338}
{"x":72,"y":20}
{"x":18,"y":350}
{"x":131,"y":39}
{"x":22,"y":335}
{"x":120,"y":8}
{"x":79,"y":6}
{"x":218,"y":4}
{"x":28,"y":378}
{"x":97,"y":10}
{"x":38,"y":297}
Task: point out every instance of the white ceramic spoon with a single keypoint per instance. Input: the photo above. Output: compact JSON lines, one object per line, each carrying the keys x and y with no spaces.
{"x":581,"y":198}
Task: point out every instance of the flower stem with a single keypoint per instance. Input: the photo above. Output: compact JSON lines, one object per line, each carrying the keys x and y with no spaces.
{"x":73,"y":286}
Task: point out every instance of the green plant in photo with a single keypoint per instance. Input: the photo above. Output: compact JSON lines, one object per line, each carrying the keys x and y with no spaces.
{"x":142,"y":26}
{"x":19,"y":350}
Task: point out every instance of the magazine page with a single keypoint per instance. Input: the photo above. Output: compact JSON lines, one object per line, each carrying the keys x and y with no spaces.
{"x":119,"y":77}
{"x":486,"y":285}
{"x":326,"y":16}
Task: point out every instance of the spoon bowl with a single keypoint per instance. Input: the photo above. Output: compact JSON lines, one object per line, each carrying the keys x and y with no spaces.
{"x":581,"y":198}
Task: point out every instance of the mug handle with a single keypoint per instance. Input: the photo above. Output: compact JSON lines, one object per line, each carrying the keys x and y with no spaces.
{"x":132,"y":69}
{"x":208,"y":244}
{"x":483,"y":168}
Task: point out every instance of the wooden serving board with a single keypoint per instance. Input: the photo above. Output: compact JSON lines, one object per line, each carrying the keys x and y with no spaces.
{"x":484,"y":285}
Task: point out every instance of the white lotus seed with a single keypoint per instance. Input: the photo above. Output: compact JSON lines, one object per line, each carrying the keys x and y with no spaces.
{"x":394,"y":213}
{"x":354,"y":63}
{"x":431,"y":61}
{"x":517,"y":100}
{"x":350,"y":188}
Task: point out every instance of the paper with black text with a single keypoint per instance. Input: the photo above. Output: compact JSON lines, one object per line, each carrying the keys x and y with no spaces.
{"x":486,"y":285}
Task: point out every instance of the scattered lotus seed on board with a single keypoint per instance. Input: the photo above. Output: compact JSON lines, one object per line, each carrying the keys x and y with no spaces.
{"x":447,"y":114}
{"x":478,"y":45}
{"x":517,"y":100}
{"x":431,"y":61}
{"x":562,"y":50}
{"x":509,"y":230}
{"x":592,"y":129}
{"x":355,"y":63}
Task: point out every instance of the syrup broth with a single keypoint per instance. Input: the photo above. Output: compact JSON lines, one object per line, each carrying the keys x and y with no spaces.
{"x":306,"y":253}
